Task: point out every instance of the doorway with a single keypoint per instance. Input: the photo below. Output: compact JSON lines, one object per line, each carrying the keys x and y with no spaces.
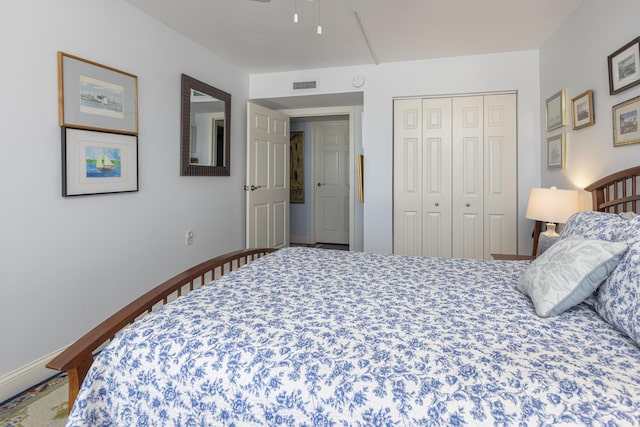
{"x":320,"y":208}
{"x":326,"y":107}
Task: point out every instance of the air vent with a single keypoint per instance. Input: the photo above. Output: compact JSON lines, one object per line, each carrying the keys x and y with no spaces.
{"x":308,"y":85}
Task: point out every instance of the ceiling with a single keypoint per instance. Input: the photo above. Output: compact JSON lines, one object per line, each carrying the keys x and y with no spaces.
{"x":260,"y":36}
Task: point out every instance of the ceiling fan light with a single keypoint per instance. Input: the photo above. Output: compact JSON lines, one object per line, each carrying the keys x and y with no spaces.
{"x":319,"y":30}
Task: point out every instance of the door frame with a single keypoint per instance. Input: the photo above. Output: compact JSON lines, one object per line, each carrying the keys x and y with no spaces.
{"x":335,"y":111}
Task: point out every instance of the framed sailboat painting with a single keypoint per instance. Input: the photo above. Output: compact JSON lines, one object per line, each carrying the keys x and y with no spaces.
{"x":98,"y":162}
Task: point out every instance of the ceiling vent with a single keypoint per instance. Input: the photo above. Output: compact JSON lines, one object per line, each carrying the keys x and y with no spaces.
{"x":308,"y":85}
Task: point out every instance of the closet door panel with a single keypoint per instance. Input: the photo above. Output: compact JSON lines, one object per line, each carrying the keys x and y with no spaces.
{"x":407,"y":177}
{"x":500,"y":176}
{"x":436,"y":164}
{"x":467,"y":177}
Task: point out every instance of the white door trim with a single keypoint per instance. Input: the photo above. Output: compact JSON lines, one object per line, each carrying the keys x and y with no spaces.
{"x":337,"y":111}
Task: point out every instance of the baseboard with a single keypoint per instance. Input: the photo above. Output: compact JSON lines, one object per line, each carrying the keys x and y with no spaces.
{"x":26,"y":377}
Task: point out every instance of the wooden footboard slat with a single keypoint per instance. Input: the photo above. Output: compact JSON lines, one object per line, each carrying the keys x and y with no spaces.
{"x":78,"y":357}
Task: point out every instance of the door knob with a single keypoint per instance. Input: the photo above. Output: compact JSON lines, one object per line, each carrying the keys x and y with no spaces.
{"x":320,"y":184}
{"x":437,"y":204}
{"x":255,"y":187}
{"x":468,"y":204}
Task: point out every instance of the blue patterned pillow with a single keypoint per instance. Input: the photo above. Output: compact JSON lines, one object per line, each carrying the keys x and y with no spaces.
{"x":568,"y":272}
{"x":618,"y":299}
{"x":595,"y":225}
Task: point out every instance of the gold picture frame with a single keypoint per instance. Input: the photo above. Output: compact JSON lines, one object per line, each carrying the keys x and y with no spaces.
{"x":92,"y":96}
{"x":555,"y":110}
{"x":556,"y":151}
{"x":625,"y":122}
{"x":360,"y":178}
{"x":582,"y":110}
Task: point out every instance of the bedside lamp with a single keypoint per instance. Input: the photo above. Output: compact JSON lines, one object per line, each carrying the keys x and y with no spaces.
{"x":552,"y":206}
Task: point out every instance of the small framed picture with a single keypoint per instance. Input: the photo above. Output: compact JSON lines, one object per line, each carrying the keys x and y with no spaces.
{"x":98,"y":162}
{"x":582,"y":110}
{"x":625,"y":122}
{"x":555,"y":152}
{"x":624,"y":67}
{"x":96,"y":97}
{"x":556,"y":110}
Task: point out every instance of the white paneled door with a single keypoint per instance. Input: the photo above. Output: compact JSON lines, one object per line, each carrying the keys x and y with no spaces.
{"x":455,"y":176}
{"x":267,"y":186}
{"x":331,"y":142}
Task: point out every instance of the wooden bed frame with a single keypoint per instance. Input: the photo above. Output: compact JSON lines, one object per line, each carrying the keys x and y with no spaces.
{"x":78,"y":357}
{"x":618,"y":192}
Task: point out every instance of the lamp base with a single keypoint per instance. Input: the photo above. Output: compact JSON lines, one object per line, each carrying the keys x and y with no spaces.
{"x":550,"y":231}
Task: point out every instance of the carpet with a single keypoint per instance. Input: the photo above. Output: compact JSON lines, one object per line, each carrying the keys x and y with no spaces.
{"x":44,"y":405}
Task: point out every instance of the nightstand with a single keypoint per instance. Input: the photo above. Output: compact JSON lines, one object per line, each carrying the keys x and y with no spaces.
{"x":508,"y":257}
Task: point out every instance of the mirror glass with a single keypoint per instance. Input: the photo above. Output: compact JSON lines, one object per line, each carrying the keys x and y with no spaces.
{"x":206,"y":115}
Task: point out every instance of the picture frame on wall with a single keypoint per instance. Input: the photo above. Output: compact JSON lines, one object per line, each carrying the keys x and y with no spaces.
{"x":625,"y":122}
{"x":556,"y":151}
{"x":296,"y":167}
{"x":555,"y":110}
{"x":95,"y":162}
{"x":582,"y":110}
{"x":96,"y":97}
{"x":624,"y":67}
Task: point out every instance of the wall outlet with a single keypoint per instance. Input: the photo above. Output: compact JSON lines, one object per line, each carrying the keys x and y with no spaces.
{"x":188,"y":238}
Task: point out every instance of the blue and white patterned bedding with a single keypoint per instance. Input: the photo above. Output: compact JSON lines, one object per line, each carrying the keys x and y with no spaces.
{"x":311,"y":337}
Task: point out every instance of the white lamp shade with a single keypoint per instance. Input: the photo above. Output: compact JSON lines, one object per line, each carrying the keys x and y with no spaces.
{"x":552,"y":205}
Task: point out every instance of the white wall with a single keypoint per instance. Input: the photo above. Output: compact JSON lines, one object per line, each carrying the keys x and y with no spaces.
{"x":575,"y":58}
{"x":484,"y":73}
{"x":66,"y":263}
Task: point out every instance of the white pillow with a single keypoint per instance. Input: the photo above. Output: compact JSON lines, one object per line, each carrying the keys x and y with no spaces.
{"x":569,"y":272}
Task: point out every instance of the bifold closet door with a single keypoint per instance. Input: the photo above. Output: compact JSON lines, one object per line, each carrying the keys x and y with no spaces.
{"x":500,"y":175}
{"x":467,"y":177}
{"x":422,"y":177}
{"x":407,"y":177}
{"x":455,"y":176}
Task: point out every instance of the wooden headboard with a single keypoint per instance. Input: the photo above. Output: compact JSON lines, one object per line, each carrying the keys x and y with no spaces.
{"x":618,"y":192}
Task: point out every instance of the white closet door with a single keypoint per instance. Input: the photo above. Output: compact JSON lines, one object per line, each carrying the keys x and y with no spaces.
{"x":500,"y":175}
{"x":407,"y":177}
{"x":467,"y":177}
{"x":455,"y":176}
{"x":436,"y":171}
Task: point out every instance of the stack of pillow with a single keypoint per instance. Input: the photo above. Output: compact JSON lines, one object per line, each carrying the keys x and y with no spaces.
{"x":596,"y":251}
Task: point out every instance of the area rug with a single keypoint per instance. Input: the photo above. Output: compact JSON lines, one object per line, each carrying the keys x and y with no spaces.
{"x":45,"y":405}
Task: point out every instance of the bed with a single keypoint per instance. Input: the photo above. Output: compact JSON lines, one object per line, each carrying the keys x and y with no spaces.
{"x":303,"y":336}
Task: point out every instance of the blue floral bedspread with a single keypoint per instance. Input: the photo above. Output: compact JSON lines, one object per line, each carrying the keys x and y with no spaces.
{"x":331,"y":338}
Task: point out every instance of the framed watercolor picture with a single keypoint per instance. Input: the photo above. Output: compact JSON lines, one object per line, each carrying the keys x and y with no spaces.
{"x":98,"y":162}
{"x":96,"y":97}
{"x":555,"y":152}
{"x":625,"y":122}
{"x":555,"y":108}
{"x":624,"y":67}
{"x":582,"y":110}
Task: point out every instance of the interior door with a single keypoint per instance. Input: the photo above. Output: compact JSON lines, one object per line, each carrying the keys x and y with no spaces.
{"x":267,"y":186}
{"x":331,"y":153}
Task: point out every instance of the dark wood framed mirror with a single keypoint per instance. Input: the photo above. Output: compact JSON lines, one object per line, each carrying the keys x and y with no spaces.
{"x":205,"y":129}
